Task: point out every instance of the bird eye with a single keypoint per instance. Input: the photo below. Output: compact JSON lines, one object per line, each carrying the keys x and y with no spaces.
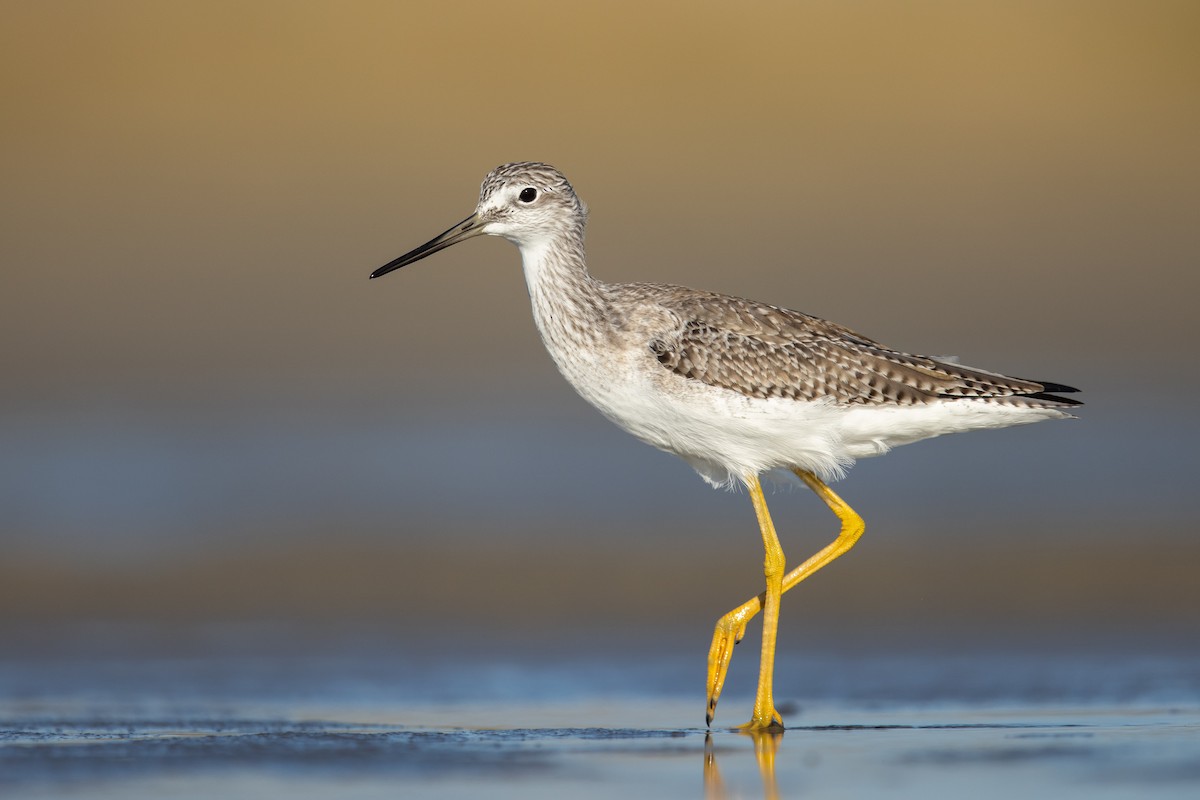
{"x":528,"y":194}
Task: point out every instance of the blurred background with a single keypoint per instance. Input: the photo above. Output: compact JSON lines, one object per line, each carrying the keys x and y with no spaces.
{"x":211,"y":420}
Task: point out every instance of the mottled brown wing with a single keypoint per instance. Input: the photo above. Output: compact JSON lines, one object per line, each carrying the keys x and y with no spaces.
{"x":764,"y":351}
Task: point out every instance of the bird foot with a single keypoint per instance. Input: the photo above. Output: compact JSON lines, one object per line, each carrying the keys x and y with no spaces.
{"x":768,"y":721}
{"x":729,"y":631}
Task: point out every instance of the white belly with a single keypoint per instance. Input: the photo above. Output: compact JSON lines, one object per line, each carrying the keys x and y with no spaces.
{"x":727,"y":436}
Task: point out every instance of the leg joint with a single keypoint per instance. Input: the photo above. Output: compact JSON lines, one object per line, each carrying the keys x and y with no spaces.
{"x":775,"y":564}
{"x":853,"y":526}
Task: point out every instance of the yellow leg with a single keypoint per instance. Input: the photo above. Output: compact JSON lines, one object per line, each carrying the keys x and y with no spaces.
{"x":765,"y":716}
{"x":732,"y":627}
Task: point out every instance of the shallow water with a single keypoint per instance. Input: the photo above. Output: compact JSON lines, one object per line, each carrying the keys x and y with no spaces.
{"x":954,"y":751}
{"x":368,"y":721}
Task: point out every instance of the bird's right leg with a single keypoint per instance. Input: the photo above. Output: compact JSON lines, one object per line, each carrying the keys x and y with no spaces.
{"x":732,"y":627}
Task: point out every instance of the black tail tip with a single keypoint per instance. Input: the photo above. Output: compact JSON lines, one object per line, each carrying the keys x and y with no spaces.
{"x":1050,"y":392}
{"x":1057,"y":388}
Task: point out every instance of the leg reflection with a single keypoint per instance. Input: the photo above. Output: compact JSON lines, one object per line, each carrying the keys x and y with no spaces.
{"x":766,"y":745}
{"x":714,"y":787}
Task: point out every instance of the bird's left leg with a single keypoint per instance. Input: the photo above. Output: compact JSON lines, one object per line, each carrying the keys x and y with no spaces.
{"x":731,"y":627}
{"x":765,"y":716}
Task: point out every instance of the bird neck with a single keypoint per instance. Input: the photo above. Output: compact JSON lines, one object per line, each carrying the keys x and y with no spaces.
{"x":568,"y":303}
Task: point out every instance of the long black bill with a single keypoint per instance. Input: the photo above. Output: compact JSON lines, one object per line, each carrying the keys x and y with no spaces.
{"x":466,"y":229}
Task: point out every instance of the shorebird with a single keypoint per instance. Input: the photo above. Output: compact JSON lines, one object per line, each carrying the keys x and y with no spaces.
{"x":738,"y":389}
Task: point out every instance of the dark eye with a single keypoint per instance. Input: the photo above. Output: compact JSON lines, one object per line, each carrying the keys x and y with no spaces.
{"x":528,"y":194}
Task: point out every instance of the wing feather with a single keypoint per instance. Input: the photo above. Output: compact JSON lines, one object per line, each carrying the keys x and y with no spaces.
{"x":764,"y":351}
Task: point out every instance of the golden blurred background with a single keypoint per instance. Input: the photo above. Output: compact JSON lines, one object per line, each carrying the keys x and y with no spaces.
{"x":210,"y":414}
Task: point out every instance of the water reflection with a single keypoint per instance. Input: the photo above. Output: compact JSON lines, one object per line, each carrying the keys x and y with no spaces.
{"x":766,"y":746}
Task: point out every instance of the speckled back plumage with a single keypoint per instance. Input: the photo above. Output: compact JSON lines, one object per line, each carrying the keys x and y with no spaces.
{"x":765,"y":351}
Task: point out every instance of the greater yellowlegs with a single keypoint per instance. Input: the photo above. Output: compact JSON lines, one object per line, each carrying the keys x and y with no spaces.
{"x":738,"y":389}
